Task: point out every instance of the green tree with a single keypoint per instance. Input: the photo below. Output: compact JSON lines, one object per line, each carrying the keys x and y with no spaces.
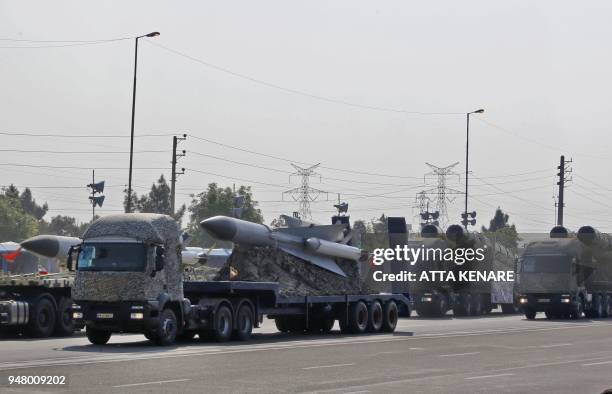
{"x":15,"y":223}
{"x":64,"y":225}
{"x":30,"y":206}
{"x":501,"y":231}
{"x":373,"y":234}
{"x":156,"y":201}
{"x":219,"y":201}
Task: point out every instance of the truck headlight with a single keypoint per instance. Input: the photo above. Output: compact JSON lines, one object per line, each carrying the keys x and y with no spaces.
{"x":426,"y":299}
{"x":523,"y":300}
{"x":565,"y":300}
{"x":137,"y":316}
{"x":77,"y":315}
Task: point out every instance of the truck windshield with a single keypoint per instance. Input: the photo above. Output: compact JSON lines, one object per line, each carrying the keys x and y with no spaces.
{"x":545,"y":264}
{"x":112,"y":257}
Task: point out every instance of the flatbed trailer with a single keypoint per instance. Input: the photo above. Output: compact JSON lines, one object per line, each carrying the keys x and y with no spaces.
{"x":226,"y":310}
{"x":37,"y":305}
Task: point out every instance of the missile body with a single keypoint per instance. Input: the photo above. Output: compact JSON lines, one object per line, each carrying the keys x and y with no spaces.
{"x":591,"y":237}
{"x":316,"y":244}
{"x":53,"y":246}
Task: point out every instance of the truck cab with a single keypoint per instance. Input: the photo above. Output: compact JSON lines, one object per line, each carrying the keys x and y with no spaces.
{"x":129,"y":278}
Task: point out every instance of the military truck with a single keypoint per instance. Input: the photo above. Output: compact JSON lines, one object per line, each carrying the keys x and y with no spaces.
{"x":568,"y":275}
{"x":436,"y":298}
{"x":129,"y":278}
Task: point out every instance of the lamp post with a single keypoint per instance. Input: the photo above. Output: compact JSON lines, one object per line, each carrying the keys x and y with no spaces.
{"x":128,"y":207}
{"x":467,"y":158}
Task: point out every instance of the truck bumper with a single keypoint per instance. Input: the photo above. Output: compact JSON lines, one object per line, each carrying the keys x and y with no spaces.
{"x":546,"y":302}
{"x":125,"y":316}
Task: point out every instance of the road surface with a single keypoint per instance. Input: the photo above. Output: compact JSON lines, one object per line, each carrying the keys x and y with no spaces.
{"x":463,"y":355}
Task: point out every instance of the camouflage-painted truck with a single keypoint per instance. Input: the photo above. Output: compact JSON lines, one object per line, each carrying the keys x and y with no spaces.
{"x":436,"y":297}
{"x":568,"y":275}
{"x":129,"y":278}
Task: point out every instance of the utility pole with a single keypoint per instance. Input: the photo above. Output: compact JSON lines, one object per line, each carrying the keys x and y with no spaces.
{"x":563,"y":171}
{"x":175,"y":141}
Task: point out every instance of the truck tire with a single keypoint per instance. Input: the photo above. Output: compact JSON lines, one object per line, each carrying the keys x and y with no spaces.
{"x":530,"y":314}
{"x":42,"y":318}
{"x":223,"y":327}
{"x":477,"y":306}
{"x":243,"y":326}
{"x":97,"y":337}
{"x":577,"y":310}
{"x":167,"y":328}
{"x":63,"y":321}
{"x":358,"y":318}
{"x":375,"y":317}
{"x":281,"y":324}
{"x":390,"y":317}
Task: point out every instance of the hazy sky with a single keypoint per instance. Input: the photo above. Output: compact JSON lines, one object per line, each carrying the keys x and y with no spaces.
{"x":541,"y":70}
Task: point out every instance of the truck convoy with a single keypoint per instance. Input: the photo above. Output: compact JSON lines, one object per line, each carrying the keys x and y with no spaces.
{"x":129,"y":278}
{"x":436,"y":298}
{"x":567,"y":275}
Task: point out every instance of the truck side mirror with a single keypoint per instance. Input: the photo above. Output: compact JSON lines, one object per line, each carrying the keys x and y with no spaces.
{"x":159,"y":258}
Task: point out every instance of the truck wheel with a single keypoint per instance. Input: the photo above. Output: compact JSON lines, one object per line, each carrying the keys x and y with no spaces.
{"x":281,"y":324}
{"x":530,"y":314}
{"x":577,"y":310}
{"x":441,"y":306}
{"x":243,"y":326}
{"x":477,"y":305}
{"x":358,"y":318}
{"x":42,"y":318}
{"x":375,"y":317}
{"x":97,"y":337}
{"x":598,"y":307}
{"x":222,"y":330}
{"x":167,"y":329}
{"x":390,"y":316}
{"x":63,"y":322}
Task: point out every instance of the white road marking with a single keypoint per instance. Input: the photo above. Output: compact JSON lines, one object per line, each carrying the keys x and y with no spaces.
{"x":149,"y":383}
{"x":357,"y":392}
{"x":599,"y":363}
{"x":554,"y":345}
{"x":328,"y":366}
{"x":458,"y":354}
{"x":489,"y":376}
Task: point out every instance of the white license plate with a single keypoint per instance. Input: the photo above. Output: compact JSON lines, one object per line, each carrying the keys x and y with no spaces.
{"x":543,"y":299}
{"x":104,"y":315}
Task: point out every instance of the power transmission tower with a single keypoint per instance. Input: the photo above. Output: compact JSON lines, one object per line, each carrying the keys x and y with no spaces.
{"x":441,"y":191}
{"x":564,"y":169}
{"x":175,"y":156}
{"x":305,"y":194}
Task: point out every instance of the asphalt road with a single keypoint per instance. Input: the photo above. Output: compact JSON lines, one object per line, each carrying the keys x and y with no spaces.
{"x":464,"y":355}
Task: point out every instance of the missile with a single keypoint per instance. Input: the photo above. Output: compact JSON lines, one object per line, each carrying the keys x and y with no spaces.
{"x":315,"y":244}
{"x":53,"y":246}
{"x":591,"y":237}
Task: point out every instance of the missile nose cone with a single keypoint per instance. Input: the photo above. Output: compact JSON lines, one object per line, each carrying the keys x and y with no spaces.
{"x":221,"y":227}
{"x":45,"y":245}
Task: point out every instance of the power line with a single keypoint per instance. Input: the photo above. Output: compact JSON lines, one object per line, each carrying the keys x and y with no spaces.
{"x":79,"y":152}
{"x":60,"y":44}
{"x":71,"y":135}
{"x":296,"y":91}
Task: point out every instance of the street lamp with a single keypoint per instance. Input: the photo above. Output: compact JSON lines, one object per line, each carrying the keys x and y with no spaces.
{"x":128,"y":208}
{"x":467,"y":157}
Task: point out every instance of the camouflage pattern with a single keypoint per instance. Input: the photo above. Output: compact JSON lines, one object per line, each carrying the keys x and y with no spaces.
{"x":151,"y":229}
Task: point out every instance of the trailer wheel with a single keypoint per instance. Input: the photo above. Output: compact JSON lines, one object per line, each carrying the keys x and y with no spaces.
{"x":375,"y":317}
{"x":530,"y":313}
{"x":63,"y":323}
{"x":42,"y":318}
{"x":608,"y":304}
{"x":390,"y":316}
{"x":243,"y":327}
{"x":358,"y":318}
{"x":98,"y":337}
{"x":222,"y":330}
{"x":167,"y":329}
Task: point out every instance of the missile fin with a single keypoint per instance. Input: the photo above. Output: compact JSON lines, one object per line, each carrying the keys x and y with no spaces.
{"x":331,"y":232}
{"x":324,"y":262}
